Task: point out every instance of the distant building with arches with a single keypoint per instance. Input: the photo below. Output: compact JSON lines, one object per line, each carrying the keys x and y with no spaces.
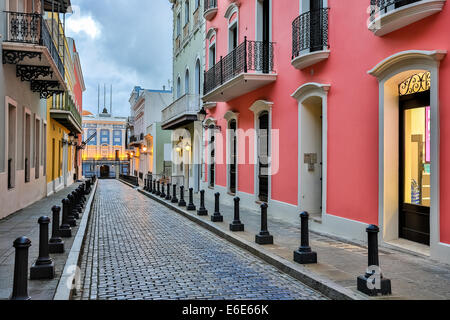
{"x":106,"y":150}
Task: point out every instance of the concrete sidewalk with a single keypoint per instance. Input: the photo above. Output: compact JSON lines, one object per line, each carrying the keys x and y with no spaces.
{"x":24,"y":223}
{"x":413,"y":277}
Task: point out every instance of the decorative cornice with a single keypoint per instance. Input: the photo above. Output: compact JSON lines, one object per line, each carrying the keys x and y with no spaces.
{"x":306,"y":88}
{"x":403,"y":58}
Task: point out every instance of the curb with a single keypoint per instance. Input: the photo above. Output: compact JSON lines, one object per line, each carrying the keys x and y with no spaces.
{"x":316,"y":282}
{"x":63,"y":292}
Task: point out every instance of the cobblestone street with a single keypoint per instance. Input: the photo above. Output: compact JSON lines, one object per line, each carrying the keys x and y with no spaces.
{"x":136,"y":248}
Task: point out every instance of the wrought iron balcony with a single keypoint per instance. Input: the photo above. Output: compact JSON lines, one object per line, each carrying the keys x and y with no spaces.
{"x":210,"y":9}
{"x":181,"y":112}
{"x":390,"y":15}
{"x":65,"y":112}
{"x":28,"y":44}
{"x":245,"y":69}
{"x":310,"y":38}
{"x":383,"y":6}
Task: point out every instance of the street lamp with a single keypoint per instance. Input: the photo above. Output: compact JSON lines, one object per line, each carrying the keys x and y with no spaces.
{"x":202,"y":115}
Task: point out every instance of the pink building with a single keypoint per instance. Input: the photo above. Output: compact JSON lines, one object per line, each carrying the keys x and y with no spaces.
{"x":353,"y":94}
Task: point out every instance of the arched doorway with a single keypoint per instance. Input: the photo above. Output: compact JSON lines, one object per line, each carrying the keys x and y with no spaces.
{"x":402,"y":150}
{"x":312,"y":149}
{"x":104,"y":171}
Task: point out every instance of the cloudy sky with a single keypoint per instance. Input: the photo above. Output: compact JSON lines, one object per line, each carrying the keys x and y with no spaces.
{"x":124,"y":43}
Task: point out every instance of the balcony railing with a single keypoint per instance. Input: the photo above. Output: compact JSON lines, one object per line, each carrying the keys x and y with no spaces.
{"x":30,"y":28}
{"x":67,"y":104}
{"x":310,"y":32}
{"x":23,"y":27}
{"x":48,"y":42}
{"x":189,"y":104}
{"x":210,"y":4}
{"x":384,"y":6}
{"x":248,"y":56}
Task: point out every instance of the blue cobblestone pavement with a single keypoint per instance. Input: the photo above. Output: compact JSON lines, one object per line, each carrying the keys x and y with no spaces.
{"x":136,"y":248}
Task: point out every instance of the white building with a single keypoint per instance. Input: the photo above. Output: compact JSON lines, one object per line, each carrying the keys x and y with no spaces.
{"x":146,"y":139}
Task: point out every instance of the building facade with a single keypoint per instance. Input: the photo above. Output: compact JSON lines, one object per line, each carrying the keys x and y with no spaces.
{"x":64,"y":114}
{"x":353,"y":131}
{"x":180,"y":117}
{"x":32,"y":70}
{"x":104,"y":155}
{"x":146,"y":143}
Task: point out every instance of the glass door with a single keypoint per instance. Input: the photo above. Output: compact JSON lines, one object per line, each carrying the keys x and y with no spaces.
{"x":415,"y":167}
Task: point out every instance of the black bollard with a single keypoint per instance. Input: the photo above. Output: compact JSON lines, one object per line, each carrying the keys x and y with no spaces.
{"x":191,"y":205}
{"x":43,"y":268}
{"x":145,"y":184}
{"x":150,"y":185}
{"x":81,"y":194}
{"x":182,"y":203}
{"x":372,"y":282}
{"x":20,"y":284}
{"x":76,"y":206}
{"x":71,"y":213}
{"x":217,"y":217}
{"x":154,"y":187}
{"x":163,"y":192}
{"x":168,"y":197}
{"x":304,"y":255}
{"x":236,"y":225}
{"x":202,"y":210}
{"x":264,"y":236}
{"x":88,"y":187}
{"x":158,"y":190}
{"x":56,"y":244}
{"x":65,"y":230}
{"x":174,"y":197}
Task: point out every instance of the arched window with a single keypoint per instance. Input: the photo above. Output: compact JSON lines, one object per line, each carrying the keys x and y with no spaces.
{"x":186,"y":82}
{"x":186,"y":12}
{"x":197,"y":78}
{"x":178,"y":87}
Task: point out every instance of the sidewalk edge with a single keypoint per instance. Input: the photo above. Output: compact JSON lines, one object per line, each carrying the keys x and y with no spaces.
{"x":62,"y":291}
{"x":316,"y":282}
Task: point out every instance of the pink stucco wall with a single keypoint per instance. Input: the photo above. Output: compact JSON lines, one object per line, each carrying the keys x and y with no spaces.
{"x":352,"y":181}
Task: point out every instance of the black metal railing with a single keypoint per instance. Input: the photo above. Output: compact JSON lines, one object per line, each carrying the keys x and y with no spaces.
{"x":31,"y":28}
{"x":133,"y":180}
{"x":210,"y":4}
{"x":384,"y":6}
{"x":310,"y":32}
{"x":248,"y":56}
{"x":23,"y":27}
{"x":48,"y":42}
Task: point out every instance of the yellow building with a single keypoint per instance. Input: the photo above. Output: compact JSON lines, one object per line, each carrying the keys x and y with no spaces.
{"x":63,"y":115}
